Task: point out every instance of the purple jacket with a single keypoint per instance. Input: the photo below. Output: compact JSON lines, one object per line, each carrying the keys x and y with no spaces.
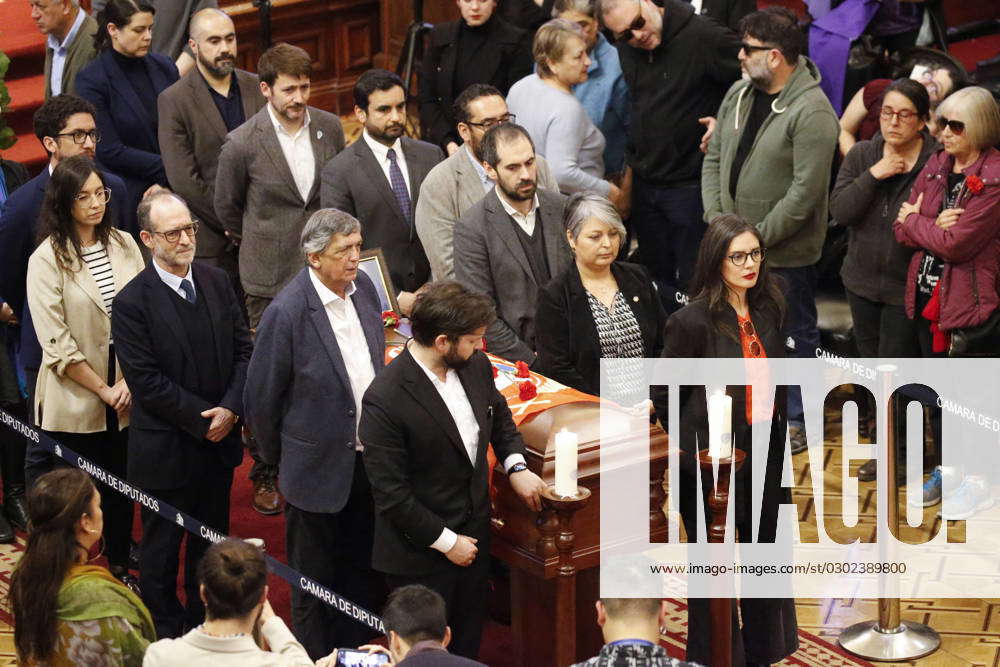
{"x":970,"y":248}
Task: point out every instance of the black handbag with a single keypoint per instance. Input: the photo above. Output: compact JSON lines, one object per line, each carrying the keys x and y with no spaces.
{"x":982,"y":340}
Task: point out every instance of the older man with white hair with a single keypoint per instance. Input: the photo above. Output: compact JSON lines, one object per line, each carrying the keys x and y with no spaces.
{"x":69,"y":42}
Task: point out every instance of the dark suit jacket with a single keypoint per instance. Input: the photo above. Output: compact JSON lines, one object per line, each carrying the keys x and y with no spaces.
{"x":421,"y":476}
{"x":79,"y":53}
{"x":728,"y":12}
{"x":191,"y":133}
{"x":569,"y":349}
{"x":19,"y":238}
{"x":525,"y":13}
{"x":128,"y":145}
{"x":489,"y":258}
{"x":354,"y":182}
{"x":300,"y":405}
{"x":505,"y":60}
{"x":257,"y":201}
{"x":167,"y":446}
{"x":431,"y":657}
{"x":14,"y":173}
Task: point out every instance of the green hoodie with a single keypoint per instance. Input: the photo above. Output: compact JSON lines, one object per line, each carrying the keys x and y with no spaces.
{"x":784,"y":183}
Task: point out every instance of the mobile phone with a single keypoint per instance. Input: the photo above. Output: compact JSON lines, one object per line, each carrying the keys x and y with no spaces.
{"x":349,"y":657}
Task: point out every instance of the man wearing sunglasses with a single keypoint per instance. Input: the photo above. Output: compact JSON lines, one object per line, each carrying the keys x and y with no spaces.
{"x":769,"y":162}
{"x":677,"y":66}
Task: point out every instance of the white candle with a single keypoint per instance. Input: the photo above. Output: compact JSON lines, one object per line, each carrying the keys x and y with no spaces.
{"x":566,"y":446}
{"x":720,"y":425}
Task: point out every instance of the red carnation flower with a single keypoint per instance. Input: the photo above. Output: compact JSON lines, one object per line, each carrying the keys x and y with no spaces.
{"x":389,"y":318}
{"x":522,"y":369}
{"x":495,"y":371}
{"x":975,"y":184}
{"x":526,"y":390}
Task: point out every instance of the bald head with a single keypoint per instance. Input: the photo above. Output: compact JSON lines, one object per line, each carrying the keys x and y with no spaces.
{"x":213,"y":41}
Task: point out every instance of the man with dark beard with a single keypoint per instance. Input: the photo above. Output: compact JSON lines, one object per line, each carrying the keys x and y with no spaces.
{"x":377,"y":180}
{"x":195,"y":115}
{"x":429,"y":475}
{"x":452,"y":187}
{"x":512,"y":241}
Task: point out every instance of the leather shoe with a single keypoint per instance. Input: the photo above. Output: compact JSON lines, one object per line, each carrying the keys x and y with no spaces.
{"x":16,"y":510}
{"x":266,"y":498}
{"x":6,"y":531}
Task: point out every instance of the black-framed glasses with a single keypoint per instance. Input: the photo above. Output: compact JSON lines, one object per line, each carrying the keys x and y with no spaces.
{"x":750,"y":48}
{"x":637,"y":24}
{"x":740,"y":258}
{"x":493,"y":122}
{"x":81,"y":136}
{"x":174,"y":235}
{"x":904,"y":115}
{"x":956,"y":126}
{"x":103,"y":196}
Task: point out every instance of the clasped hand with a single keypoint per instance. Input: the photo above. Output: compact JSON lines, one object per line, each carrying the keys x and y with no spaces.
{"x":222,"y":423}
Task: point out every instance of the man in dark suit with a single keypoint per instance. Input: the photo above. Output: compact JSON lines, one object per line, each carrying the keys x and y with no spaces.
{"x":378,"y":177}
{"x":512,"y":242}
{"x":267,"y":183}
{"x":184,"y":347}
{"x":65,"y":126}
{"x":425,"y":426}
{"x":195,"y":115}
{"x":481,"y":47}
{"x":318,"y":346}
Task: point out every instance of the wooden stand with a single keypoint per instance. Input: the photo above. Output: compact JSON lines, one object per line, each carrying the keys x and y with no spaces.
{"x":720,"y":609}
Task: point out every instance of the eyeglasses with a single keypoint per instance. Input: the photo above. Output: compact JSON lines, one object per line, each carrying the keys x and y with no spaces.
{"x":174,"y":235}
{"x":637,"y":24}
{"x":740,"y":258}
{"x":80,"y":136}
{"x":751,"y":333}
{"x":493,"y":122}
{"x":102,"y":196}
{"x":750,"y":48}
{"x":956,"y":126}
{"x":904,"y":115}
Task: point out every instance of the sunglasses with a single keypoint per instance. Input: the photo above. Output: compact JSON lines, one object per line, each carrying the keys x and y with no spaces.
{"x":750,"y":48}
{"x":629,"y":33}
{"x":751,"y":333}
{"x":956,"y":126}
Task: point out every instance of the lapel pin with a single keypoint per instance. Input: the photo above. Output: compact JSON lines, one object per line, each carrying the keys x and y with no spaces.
{"x":319,"y":134}
{"x":635,"y":298}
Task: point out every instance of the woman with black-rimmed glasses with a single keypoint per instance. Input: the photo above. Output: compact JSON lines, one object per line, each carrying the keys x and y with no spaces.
{"x":736,"y":312}
{"x":81,"y":399}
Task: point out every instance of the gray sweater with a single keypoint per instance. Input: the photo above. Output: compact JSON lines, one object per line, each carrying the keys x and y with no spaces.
{"x":562,"y":132}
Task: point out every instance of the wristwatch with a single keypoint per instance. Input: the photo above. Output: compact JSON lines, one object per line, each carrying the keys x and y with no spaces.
{"x":517,"y":467}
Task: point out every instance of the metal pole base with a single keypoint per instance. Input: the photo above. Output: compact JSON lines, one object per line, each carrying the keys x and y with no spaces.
{"x":907,"y":642}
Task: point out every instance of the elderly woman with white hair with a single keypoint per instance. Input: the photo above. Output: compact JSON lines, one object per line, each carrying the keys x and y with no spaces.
{"x":598,"y":307}
{"x":558,"y":124}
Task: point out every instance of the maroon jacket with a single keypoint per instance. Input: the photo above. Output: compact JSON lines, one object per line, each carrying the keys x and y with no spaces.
{"x":970,"y":249}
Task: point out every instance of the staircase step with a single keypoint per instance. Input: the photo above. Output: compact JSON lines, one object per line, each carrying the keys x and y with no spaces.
{"x":29,"y":152}
{"x":26,"y":94}
{"x":19,"y":34}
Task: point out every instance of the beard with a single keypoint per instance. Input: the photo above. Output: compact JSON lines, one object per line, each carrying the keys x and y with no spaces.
{"x":219,"y":67}
{"x":452,"y":359}
{"x":387,"y":134}
{"x":515,"y":193}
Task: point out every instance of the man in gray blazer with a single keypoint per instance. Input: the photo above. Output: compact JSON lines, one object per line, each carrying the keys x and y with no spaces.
{"x":267,"y":184}
{"x":378,"y":177}
{"x":195,"y":115}
{"x":512,"y":242}
{"x":319,"y":346}
{"x":453,"y":186}
{"x":70,"y":43}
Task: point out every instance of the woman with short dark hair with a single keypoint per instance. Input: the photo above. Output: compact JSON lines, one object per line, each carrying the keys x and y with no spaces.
{"x":233,"y":578}
{"x":66,"y":611}
{"x":81,"y":399}
{"x":737,"y":311}
{"x":123,"y":83}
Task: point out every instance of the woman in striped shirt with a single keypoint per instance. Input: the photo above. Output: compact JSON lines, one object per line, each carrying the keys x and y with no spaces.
{"x":81,"y":400}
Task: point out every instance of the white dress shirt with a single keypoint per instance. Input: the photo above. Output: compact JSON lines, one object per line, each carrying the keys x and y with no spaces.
{"x":526,"y":222}
{"x":350,"y":339}
{"x":381,"y":152}
{"x":60,"y":51}
{"x":174,"y":282}
{"x":298,"y":152}
{"x":457,"y":401}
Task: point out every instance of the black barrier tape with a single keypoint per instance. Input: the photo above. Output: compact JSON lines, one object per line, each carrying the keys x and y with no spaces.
{"x":294,"y":578}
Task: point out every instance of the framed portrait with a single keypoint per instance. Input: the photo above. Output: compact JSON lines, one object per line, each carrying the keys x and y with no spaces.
{"x":373,"y":264}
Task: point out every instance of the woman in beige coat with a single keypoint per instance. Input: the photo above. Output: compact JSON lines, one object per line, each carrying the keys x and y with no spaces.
{"x":81,"y":400}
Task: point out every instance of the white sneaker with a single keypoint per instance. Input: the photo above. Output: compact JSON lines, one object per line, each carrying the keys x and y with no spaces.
{"x":971,"y":497}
